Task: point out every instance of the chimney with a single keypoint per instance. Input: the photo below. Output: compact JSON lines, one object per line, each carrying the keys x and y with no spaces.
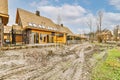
{"x":38,"y":13}
{"x":62,"y":25}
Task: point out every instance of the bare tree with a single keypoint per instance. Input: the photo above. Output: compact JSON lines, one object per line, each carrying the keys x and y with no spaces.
{"x":90,"y":23}
{"x":100,"y":18}
{"x":116,"y":33}
{"x":99,"y":24}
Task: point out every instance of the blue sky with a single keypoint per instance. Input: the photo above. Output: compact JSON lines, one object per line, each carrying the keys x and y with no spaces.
{"x":73,"y":13}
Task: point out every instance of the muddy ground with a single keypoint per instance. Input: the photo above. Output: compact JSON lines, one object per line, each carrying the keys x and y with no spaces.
{"x":73,"y":62}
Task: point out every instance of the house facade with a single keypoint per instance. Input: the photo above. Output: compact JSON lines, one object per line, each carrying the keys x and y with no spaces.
{"x":3,"y":18}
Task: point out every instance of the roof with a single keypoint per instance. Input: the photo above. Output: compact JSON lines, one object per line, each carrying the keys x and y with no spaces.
{"x":4,"y":6}
{"x":68,"y":31}
{"x":17,"y":27}
{"x":31,"y":20}
{"x":4,"y":11}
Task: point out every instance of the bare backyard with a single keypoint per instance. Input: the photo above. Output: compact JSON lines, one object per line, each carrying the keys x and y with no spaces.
{"x":73,"y":62}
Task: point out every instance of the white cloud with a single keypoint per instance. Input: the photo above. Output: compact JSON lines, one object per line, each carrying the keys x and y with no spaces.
{"x":12,"y":16}
{"x":73,"y":16}
{"x":65,"y":10}
{"x":33,"y":4}
{"x":40,"y":3}
{"x":82,"y":31}
{"x":115,"y":3}
{"x":76,"y":17}
{"x":111,"y":19}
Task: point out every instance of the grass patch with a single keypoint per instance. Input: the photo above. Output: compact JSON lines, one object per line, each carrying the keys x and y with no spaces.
{"x":108,"y":69}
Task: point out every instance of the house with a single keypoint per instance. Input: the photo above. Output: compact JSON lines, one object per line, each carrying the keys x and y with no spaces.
{"x":31,"y":28}
{"x":106,"y":35}
{"x":119,"y":34}
{"x":35,"y":29}
{"x":13,"y":34}
{"x":116,"y":33}
{"x":3,"y":18}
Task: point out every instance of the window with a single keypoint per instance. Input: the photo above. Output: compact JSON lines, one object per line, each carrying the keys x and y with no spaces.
{"x":43,"y":26}
{"x":34,"y":25}
{"x":40,"y":26}
{"x":53,"y":34}
{"x":60,"y":35}
{"x":30,"y":24}
{"x":0,"y":20}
